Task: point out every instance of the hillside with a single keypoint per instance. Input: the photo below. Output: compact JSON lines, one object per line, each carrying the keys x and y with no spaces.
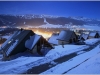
{"x":56,"y":61}
{"x":37,"y":20}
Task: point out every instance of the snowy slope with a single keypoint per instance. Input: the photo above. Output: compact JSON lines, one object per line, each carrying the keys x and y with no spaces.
{"x":92,"y":27}
{"x":89,"y":27}
{"x":92,"y":66}
{"x":5,"y":37}
{"x":91,"y":41}
{"x":14,"y":64}
{"x":48,"y":25}
{"x":65,"y":66}
{"x":22,"y":64}
{"x":47,"y":21}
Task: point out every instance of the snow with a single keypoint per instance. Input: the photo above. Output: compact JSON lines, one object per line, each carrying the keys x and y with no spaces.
{"x":85,"y":36}
{"x":24,"y":22}
{"x":89,"y":27}
{"x":45,"y":21}
{"x":92,"y":34}
{"x":92,"y":66}
{"x":50,"y":26}
{"x":5,"y":36}
{"x":62,"y":35}
{"x":65,"y":66}
{"x":21,"y":61}
{"x":32,"y":41}
{"x":21,"y":67}
{"x":65,"y":35}
{"x":8,"y":40}
{"x":22,"y":64}
{"x":53,"y":39}
{"x":11,"y":47}
{"x":68,"y":49}
{"x":18,"y":32}
{"x":81,"y":18}
{"x":92,"y":27}
{"x":91,"y":41}
{"x":99,"y":34}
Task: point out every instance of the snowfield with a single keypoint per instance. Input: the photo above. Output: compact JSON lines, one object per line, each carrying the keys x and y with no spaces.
{"x":68,"y":49}
{"x":6,"y":37}
{"x":92,"y":27}
{"x":10,"y":65}
{"x":91,"y":41}
{"x":50,"y":26}
{"x":92,"y":66}
{"x":23,"y":63}
{"x":65,"y":66}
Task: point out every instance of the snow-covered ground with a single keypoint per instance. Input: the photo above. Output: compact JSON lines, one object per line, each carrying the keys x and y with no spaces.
{"x":91,"y":41}
{"x":10,"y":66}
{"x":50,"y":26}
{"x":92,"y":27}
{"x":86,"y":67}
{"x":59,"y":50}
{"x":22,"y":64}
{"x":5,"y":36}
{"x":87,"y":27}
{"x":92,"y":66}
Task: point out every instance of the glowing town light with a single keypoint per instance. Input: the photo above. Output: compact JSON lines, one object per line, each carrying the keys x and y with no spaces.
{"x":45,"y":35}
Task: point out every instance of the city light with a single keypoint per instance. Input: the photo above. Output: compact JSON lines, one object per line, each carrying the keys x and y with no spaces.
{"x":44,"y":34}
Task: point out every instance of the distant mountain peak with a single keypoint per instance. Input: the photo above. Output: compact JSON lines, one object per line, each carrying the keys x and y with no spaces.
{"x":37,"y":20}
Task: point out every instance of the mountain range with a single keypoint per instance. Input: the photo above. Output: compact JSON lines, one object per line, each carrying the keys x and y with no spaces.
{"x":38,"y":20}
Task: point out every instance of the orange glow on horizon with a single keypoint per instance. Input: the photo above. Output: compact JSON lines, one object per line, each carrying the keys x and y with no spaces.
{"x":44,"y":34}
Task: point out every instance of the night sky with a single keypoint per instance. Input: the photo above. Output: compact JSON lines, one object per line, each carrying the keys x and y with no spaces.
{"x":90,"y":9}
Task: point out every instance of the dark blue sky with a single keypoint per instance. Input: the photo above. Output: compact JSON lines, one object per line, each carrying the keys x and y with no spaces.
{"x":90,"y":9}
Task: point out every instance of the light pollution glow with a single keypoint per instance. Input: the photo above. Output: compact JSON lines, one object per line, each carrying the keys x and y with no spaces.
{"x":45,"y":35}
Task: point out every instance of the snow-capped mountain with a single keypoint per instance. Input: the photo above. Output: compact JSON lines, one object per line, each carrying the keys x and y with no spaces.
{"x":38,"y":20}
{"x":81,"y":18}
